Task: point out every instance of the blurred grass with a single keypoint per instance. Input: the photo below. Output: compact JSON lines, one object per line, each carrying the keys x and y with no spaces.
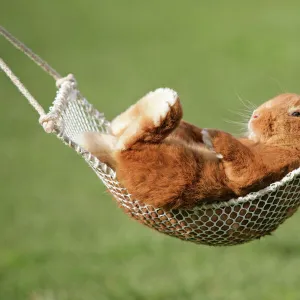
{"x":61,"y":236}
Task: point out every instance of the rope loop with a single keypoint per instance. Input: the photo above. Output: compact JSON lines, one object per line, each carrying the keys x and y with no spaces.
{"x":67,"y":86}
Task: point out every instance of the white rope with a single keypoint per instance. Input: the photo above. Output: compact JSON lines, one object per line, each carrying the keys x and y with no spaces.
{"x":39,"y":61}
{"x":222,"y":223}
{"x":66,"y":85}
{"x":15,"y":80}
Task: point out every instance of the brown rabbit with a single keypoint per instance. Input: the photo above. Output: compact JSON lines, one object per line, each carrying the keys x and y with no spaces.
{"x":166,"y":162}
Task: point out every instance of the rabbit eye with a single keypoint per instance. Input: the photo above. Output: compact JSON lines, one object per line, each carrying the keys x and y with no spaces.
{"x":295,"y":114}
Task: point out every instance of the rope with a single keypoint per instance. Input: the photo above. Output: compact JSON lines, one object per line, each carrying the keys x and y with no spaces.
{"x":65,"y":85}
{"x":16,"y":81}
{"x":223,"y":223}
{"x":39,"y":61}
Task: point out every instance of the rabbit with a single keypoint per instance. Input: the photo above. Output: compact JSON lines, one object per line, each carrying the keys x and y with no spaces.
{"x":166,"y":162}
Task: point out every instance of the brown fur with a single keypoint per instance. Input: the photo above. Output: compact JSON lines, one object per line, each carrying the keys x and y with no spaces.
{"x":176,"y":164}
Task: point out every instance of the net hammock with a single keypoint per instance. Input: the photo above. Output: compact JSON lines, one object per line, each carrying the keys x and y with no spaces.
{"x":217,"y":224}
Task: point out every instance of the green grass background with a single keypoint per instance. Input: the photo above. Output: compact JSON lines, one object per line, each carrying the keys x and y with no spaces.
{"x":61,"y":236}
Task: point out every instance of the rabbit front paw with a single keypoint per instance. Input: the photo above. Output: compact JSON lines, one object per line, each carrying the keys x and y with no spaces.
{"x":207,"y":137}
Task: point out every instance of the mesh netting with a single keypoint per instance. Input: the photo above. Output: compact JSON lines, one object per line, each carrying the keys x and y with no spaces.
{"x":221,"y":223}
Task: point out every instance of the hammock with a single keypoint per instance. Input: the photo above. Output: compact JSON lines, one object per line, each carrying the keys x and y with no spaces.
{"x":218,"y":224}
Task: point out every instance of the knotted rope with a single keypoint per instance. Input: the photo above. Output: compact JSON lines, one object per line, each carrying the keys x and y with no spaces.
{"x":63,"y":84}
{"x":220,"y":223}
